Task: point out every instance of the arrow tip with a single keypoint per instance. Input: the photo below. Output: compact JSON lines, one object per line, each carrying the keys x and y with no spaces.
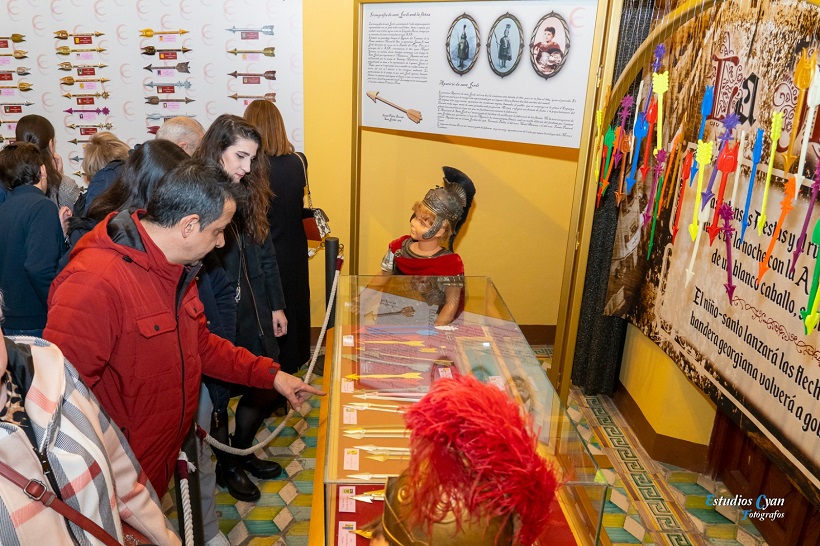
{"x":761,"y":270}
{"x":713,"y":230}
{"x":693,"y":231}
{"x":730,"y":291}
{"x":689,"y":275}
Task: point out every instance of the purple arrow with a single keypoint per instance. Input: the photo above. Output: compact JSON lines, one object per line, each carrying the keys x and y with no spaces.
{"x":660,"y":51}
{"x":103,"y":110}
{"x":626,"y":107}
{"x":815,"y":189}
{"x":658,"y":169}
{"x":729,"y":123}
{"x":726,"y":213}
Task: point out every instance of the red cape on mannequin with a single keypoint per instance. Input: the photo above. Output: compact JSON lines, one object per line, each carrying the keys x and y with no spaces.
{"x":440,"y":266}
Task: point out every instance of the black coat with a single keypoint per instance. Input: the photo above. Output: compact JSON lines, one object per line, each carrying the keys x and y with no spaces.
{"x":287,"y":180}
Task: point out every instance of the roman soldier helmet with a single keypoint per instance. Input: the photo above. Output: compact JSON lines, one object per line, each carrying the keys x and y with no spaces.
{"x":474,"y":478}
{"x":451,"y":202}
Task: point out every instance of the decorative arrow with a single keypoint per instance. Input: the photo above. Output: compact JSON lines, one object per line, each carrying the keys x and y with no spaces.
{"x":185,"y":84}
{"x":16,"y":38}
{"x":102,"y":110}
{"x":609,"y":140}
{"x":17,"y":54}
{"x":733,"y":200}
{"x":268,"y":74}
{"x":414,"y":115}
{"x":660,"y":82}
{"x":809,"y":315}
{"x":675,"y":148}
{"x":404,"y":311}
{"x":97,"y":95}
{"x":65,"y":50}
{"x":789,"y":193}
{"x":703,"y":156}
{"x":370,"y":448}
{"x":384,"y":457}
{"x":75,"y":141}
{"x":70,"y":80}
{"x":640,"y":132}
{"x":22,"y":86}
{"x":705,"y":109}
{"x":726,"y":213}
{"x":98,"y":125}
{"x":267,"y":29}
{"x":267,"y":96}
{"x":376,"y":432}
{"x":157,"y":117}
{"x":802,"y":79}
{"x":651,"y":117}
{"x":367,"y":476}
{"x":20,"y":71}
{"x":370,"y":496}
{"x":757,"y":153}
{"x":626,"y":144}
{"x":815,"y":188}
{"x":599,"y":120}
{"x":75,"y":158}
{"x":726,"y":164}
{"x":27,"y":103}
{"x":68,"y":66}
{"x":408,"y":375}
{"x":151,"y":50}
{"x":624,"y":113}
{"x":388,"y":398}
{"x":64,"y":34}
{"x":658,"y":170}
{"x":702,"y":216}
{"x":149,"y":33}
{"x":774,"y":136}
{"x":156,"y":100}
{"x":729,"y":123}
{"x":687,"y":165}
{"x":812,"y":101}
{"x":365,"y":406}
{"x":635,"y":124}
{"x":267,"y":52}
{"x":179,"y":67}
{"x":659,"y":53}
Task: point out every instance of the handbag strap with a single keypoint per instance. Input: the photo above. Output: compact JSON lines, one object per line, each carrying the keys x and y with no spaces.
{"x":307,"y":183}
{"x":36,"y":490}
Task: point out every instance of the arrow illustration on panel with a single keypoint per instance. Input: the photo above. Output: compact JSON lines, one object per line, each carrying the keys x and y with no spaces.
{"x":414,"y":115}
{"x":22,"y":86}
{"x":705,"y":109}
{"x":703,"y":156}
{"x":156,"y":100}
{"x":150,"y":33}
{"x":151,"y":50}
{"x":809,"y":315}
{"x":789,"y":193}
{"x":267,"y":29}
{"x":267,"y":52}
{"x":186,"y":84}
{"x":70,"y":80}
{"x":68,"y":66}
{"x":86,"y":126}
{"x":687,"y":166}
{"x":65,"y":50}
{"x":726,"y":213}
{"x":20,"y":71}
{"x":103,"y":110}
{"x":757,"y":153}
{"x":97,"y":95}
{"x":179,"y":67}
{"x":17,"y":54}
{"x":267,"y":96}
{"x":157,"y":117}
{"x":726,"y":164}
{"x":774,"y":136}
{"x":16,"y":38}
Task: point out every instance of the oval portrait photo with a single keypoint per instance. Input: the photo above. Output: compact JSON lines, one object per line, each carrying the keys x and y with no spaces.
{"x":505,"y":44}
{"x":549,"y":45}
{"x":462,"y":44}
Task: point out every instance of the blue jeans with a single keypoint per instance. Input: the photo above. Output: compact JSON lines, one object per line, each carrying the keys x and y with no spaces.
{"x":13,"y":332}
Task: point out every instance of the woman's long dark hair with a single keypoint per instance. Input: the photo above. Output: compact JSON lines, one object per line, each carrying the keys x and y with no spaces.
{"x":40,"y":132}
{"x":223,"y":133}
{"x":144,"y":168}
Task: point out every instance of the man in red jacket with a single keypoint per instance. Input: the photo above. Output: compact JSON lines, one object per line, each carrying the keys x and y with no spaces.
{"x":126,"y":312}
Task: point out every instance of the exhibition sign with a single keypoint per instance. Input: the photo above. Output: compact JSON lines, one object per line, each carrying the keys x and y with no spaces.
{"x":715,"y":254}
{"x":513,"y":71}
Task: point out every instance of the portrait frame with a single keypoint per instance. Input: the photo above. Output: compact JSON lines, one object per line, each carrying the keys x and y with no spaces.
{"x":504,"y":22}
{"x":469,"y":29}
{"x":543,"y":54}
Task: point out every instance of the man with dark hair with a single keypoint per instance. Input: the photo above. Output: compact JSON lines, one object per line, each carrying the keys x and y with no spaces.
{"x":144,"y":342}
{"x":32,"y":239}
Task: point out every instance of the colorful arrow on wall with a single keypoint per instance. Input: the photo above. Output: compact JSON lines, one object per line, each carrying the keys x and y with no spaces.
{"x":757,"y":153}
{"x":774,"y":135}
{"x":789,"y":193}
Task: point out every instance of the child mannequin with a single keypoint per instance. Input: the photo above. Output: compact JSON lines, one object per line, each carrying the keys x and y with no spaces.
{"x":428,"y":250}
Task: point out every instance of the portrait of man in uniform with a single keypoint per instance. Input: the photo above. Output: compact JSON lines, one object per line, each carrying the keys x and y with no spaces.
{"x":462,"y":44}
{"x":505,"y":44}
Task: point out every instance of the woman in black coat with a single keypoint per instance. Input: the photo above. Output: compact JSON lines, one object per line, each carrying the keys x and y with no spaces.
{"x":287,"y":173}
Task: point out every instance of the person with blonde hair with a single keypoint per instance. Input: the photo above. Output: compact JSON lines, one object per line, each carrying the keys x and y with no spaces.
{"x":287,"y":174}
{"x":103,"y":160}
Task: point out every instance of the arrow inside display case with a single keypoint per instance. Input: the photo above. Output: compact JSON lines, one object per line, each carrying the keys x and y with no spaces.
{"x":392,"y":397}
{"x":97,"y":95}
{"x":375,"y":432}
{"x":185,"y":84}
{"x":266,"y":29}
{"x":150,"y":33}
{"x":70,"y":80}
{"x":364,"y":406}
{"x":408,"y":375}
{"x":151,"y":50}
{"x":87,"y":126}
{"x":370,"y":448}
{"x":21,"y":86}
{"x":156,"y":100}
{"x":68,"y":66}
{"x":157,"y":117}
{"x":65,"y":50}
{"x":267,"y":96}
{"x":64,"y":34}
{"x":267,"y":51}
{"x":367,"y":476}
{"x":179,"y":67}
{"x":268,"y":74}
{"x":370,"y":496}
{"x":20,"y":71}
{"x":15,"y":38}
{"x":103,"y":110}
{"x":17,"y":54}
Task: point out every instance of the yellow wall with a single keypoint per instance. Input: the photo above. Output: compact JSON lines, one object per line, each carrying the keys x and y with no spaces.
{"x":518,"y":229}
{"x":669,"y":401}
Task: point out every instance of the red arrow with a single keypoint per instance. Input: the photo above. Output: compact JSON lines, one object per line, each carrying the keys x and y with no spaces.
{"x":726,"y":164}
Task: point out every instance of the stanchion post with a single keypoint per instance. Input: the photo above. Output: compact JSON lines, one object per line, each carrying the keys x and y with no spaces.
{"x":331,"y":253}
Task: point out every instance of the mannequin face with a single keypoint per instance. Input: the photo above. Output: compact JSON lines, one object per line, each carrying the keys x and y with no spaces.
{"x":237,"y":159}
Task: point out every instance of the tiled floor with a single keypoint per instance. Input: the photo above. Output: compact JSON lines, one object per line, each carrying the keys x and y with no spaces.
{"x":649,"y":503}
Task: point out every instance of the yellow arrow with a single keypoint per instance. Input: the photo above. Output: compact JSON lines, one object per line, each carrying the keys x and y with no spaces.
{"x":777,"y":126}
{"x":408,"y":375}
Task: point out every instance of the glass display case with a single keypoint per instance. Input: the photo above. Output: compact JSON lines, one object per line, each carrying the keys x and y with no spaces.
{"x":388,"y":350}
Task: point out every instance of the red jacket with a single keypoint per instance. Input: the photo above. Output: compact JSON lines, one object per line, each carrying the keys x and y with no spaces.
{"x":132,"y":324}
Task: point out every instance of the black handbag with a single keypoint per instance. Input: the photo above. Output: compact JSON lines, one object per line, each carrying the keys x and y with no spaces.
{"x":314,"y":219}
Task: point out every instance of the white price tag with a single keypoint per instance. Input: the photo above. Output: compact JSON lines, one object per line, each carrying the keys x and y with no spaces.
{"x":348,"y":341}
{"x":347,"y":385}
{"x":445,"y":372}
{"x":346,"y":501}
{"x":351,"y":461}
{"x":350,"y":416}
{"x":346,"y":535}
{"x":498,"y":381}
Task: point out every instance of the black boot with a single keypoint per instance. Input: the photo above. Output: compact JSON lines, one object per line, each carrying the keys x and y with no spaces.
{"x":254,"y":406}
{"x":261,"y":468}
{"x":229,"y":474}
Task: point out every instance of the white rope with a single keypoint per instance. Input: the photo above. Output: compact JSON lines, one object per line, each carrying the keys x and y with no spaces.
{"x":185,"y":494}
{"x":265,"y":441}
